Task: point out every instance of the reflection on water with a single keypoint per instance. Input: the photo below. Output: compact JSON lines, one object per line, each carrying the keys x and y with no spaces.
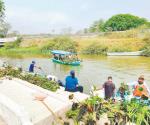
{"x":94,"y":69}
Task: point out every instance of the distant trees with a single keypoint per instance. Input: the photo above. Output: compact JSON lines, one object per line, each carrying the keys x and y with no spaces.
{"x":4,"y":26}
{"x":2,"y":8}
{"x":97,"y":26}
{"x":120,"y":22}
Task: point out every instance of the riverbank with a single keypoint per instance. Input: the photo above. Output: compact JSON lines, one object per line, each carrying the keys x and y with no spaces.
{"x":127,"y":41}
{"x":84,"y":46}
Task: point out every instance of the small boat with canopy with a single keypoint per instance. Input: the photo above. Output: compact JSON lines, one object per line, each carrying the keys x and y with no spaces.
{"x":66,"y":58}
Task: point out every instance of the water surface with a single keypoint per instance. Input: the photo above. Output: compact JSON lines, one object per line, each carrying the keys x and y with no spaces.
{"x":93,"y":70}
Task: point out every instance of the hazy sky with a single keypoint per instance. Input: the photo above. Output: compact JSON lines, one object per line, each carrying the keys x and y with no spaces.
{"x":41,"y":16}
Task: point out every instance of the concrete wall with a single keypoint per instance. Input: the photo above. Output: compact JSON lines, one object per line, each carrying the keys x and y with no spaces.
{"x":18,"y":105}
{"x":12,"y":113}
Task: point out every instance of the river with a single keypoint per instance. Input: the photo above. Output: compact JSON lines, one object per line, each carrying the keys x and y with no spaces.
{"x":94,"y":70}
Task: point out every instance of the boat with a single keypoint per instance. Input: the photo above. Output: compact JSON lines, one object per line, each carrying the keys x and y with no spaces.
{"x":64,"y":54}
{"x":137,"y":53}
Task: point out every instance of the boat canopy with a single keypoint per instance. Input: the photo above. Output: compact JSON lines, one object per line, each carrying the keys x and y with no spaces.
{"x":60,"y":52}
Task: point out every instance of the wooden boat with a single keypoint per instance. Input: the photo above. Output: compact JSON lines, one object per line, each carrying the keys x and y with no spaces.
{"x":137,"y":53}
{"x":74,"y":63}
{"x":64,"y":54}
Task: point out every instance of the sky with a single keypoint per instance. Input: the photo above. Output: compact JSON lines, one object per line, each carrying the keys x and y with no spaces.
{"x":45,"y":16}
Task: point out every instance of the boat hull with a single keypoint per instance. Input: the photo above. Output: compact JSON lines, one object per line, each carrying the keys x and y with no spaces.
{"x":137,"y":53}
{"x":75,"y":63}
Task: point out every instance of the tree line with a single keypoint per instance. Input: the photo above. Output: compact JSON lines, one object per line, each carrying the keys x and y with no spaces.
{"x":119,"y":22}
{"x":4,"y":26}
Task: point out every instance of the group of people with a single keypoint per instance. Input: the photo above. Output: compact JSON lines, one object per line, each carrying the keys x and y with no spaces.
{"x":71,"y":83}
{"x":66,"y":58}
{"x":138,"y":88}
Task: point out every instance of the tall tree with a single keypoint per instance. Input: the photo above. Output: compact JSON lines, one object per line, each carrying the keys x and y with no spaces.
{"x":4,"y":26}
{"x":123,"y":22}
{"x":2,"y":8}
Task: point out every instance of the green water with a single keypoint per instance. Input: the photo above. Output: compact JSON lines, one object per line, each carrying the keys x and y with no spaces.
{"x":93,"y":69}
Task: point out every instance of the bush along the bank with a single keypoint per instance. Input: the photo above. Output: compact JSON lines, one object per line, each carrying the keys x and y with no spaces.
{"x":146,"y":50}
{"x":33,"y":79}
{"x":61,"y":43}
{"x":95,"y":48}
{"x":13,"y":44}
{"x":91,"y":110}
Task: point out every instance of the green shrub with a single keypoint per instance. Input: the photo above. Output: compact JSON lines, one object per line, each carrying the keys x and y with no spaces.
{"x":33,"y":79}
{"x":13,"y":44}
{"x":61,"y":43}
{"x":146,"y":49}
{"x":95,"y":48}
{"x":121,"y":113}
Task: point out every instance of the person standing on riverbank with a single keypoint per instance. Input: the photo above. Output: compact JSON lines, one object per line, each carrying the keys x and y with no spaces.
{"x":109,"y":88}
{"x":32,"y":66}
{"x":139,"y":87}
{"x":72,"y":83}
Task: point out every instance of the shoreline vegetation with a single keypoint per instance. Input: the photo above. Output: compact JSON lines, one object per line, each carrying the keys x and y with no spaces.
{"x":38,"y":80}
{"x":126,"y":41}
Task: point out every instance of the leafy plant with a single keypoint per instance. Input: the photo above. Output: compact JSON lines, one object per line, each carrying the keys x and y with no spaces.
{"x":138,"y":113}
{"x":120,"y":113}
{"x":33,"y":79}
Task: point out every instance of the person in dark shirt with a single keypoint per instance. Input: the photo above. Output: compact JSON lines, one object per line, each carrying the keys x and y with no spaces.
{"x":72,"y":83}
{"x":109,"y":88}
{"x":55,"y":56}
{"x":32,"y":66}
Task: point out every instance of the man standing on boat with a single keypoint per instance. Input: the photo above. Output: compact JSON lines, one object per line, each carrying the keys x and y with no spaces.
{"x":140,"y":88}
{"x":72,"y":83}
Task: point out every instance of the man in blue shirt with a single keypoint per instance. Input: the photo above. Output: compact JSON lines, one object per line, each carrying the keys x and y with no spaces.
{"x":72,"y":83}
{"x":32,"y":66}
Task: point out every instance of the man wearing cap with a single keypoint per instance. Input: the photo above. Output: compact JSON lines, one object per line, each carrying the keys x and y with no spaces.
{"x":72,"y":83}
{"x":140,"y":88}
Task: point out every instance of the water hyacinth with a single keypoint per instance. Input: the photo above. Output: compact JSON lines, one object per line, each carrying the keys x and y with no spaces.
{"x":33,"y":79}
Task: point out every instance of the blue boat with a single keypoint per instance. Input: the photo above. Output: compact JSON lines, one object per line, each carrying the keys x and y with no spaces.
{"x":61,"y":58}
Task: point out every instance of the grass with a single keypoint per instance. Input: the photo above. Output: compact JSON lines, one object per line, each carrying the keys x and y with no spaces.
{"x":113,"y":45}
{"x":131,"y":40}
{"x":27,"y":52}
